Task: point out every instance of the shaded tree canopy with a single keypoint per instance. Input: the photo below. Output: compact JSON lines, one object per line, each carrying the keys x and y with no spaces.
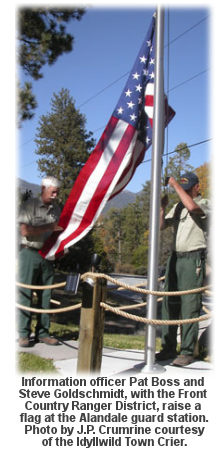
{"x":42,"y":39}
{"x":122,"y":234}
{"x":178,"y":163}
{"x":176,"y":166}
{"x":63,"y":142}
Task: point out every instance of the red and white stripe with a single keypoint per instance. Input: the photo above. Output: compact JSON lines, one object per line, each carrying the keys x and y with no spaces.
{"x":136,"y":158}
{"x":108,"y":169}
{"x":149,"y":101}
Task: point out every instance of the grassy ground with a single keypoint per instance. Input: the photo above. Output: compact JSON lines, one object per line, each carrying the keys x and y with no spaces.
{"x":32,"y":363}
{"x":114,"y":337}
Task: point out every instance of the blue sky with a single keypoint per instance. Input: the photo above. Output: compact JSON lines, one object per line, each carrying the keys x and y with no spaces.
{"x":107,"y":41}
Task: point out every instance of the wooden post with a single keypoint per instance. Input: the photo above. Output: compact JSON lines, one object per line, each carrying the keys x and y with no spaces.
{"x":91,"y":327}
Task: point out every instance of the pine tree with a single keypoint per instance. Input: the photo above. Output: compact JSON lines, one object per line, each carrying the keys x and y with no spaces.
{"x":176,"y":166}
{"x":62,"y":142}
{"x":26,"y":103}
{"x":178,"y":163}
{"x":42,"y":38}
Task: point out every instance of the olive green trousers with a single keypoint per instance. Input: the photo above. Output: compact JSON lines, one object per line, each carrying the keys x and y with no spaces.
{"x":34,"y":270}
{"x":183,"y":273}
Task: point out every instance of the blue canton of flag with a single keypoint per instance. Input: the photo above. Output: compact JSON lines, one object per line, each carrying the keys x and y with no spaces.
{"x":115,"y":158}
{"x":134,"y":102}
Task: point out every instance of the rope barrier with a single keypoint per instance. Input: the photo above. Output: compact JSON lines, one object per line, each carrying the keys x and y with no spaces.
{"x":136,"y":305}
{"x":60,"y":310}
{"x":31,"y":286}
{"x":115,"y":310}
{"x":206,"y":310}
{"x":143,"y":291}
{"x":140,"y":284}
{"x":56,"y":302}
{"x":209,"y":292}
{"x":153,"y":321}
{"x":118,"y":283}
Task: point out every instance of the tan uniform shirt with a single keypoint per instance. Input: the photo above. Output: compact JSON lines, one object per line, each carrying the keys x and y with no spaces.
{"x":35,"y":213}
{"x":190,"y":230}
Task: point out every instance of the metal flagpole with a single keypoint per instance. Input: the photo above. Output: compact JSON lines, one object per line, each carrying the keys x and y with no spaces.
{"x":157,"y":151}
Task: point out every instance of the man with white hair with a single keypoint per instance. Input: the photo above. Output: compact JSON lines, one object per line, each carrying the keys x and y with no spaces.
{"x":38,"y":218}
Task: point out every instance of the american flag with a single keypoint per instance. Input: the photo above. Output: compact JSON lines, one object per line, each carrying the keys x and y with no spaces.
{"x":115,"y":158}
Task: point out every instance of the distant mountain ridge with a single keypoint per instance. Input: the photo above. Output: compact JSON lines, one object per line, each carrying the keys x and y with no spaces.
{"x":23,"y":186}
{"x":119,"y":201}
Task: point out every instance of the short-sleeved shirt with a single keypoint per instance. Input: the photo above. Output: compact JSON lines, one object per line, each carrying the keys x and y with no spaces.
{"x":190,"y":230}
{"x":35,"y":213}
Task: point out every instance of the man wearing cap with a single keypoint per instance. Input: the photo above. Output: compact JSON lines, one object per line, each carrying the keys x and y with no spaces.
{"x":185,"y":268}
{"x":38,"y":218}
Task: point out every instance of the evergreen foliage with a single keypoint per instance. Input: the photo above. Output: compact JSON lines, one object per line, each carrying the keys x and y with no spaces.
{"x":42,"y":38}
{"x":64,"y":146}
{"x":62,"y":142}
{"x":177,"y":164}
{"x":26,"y":103}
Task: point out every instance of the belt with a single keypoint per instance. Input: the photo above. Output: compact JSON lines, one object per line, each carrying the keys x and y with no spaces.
{"x":193,"y":253}
{"x":29,"y":248}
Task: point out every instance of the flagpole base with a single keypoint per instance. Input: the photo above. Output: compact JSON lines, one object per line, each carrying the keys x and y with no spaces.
{"x":155,"y":368}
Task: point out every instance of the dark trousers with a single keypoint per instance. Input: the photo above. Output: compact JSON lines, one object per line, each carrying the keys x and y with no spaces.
{"x":183,"y":273}
{"x":34,"y":270}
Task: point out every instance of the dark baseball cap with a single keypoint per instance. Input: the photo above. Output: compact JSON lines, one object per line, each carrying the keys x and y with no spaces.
{"x":188,"y":180}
